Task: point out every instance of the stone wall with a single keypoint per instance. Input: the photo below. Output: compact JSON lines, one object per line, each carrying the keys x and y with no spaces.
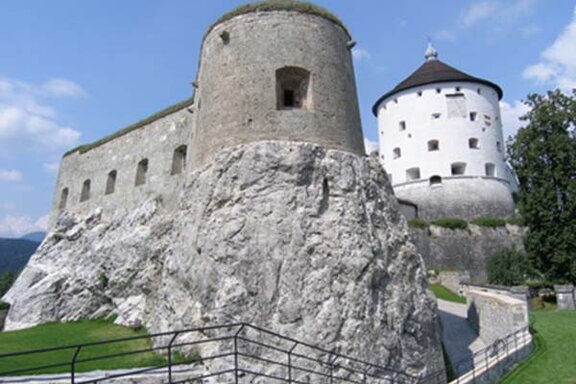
{"x":495,"y":316}
{"x":155,"y":141}
{"x":467,"y":197}
{"x":468,"y":249}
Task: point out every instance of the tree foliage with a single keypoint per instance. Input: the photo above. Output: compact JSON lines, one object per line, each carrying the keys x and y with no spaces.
{"x":543,"y":155}
{"x":509,"y":267}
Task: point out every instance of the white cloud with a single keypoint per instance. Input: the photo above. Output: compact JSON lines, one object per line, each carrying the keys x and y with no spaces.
{"x":51,"y":167}
{"x":27,"y":120}
{"x":478,"y":12}
{"x":360,"y":54}
{"x":10,"y":176}
{"x":511,"y":114}
{"x":63,"y":87}
{"x":557,"y":65}
{"x":498,"y":16}
{"x":370,"y":145}
{"x":16,"y":226}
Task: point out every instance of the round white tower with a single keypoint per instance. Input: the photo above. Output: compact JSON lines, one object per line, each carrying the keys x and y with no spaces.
{"x":441,"y":143}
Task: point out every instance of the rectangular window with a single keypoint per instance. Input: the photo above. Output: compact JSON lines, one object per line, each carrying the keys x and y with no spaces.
{"x":402,"y":126}
{"x":473,"y":116}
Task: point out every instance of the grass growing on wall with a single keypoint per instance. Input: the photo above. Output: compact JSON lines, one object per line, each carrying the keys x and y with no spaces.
{"x":554,"y":360}
{"x":451,"y":223}
{"x":64,"y":334}
{"x":491,"y":222}
{"x":443,"y":293}
{"x":418,"y":223}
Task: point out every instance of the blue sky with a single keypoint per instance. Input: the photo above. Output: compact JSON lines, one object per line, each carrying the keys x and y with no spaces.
{"x":73,"y":71}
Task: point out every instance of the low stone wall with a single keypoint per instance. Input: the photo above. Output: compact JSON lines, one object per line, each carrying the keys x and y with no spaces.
{"x":465,"y":249}
{"x":453,"y":280}
{"x":494,"y":316}
{"x":565,"y":297}
{"x":498,"y":359}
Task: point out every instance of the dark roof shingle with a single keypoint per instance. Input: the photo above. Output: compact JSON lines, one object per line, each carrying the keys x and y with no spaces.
{"x":434,"y":71}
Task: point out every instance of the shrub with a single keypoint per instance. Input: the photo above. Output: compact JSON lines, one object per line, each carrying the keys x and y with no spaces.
{"x":4,"y":305}
{"x":492,"y":222}
{"x":509,"y":267}
{"x":418,"y":223}
{"x":451,"y":223}
{"x":102,"y":280}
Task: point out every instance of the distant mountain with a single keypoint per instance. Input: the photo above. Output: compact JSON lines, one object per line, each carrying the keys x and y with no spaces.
{"x":35,"y":236}
{"x":14,"y":253}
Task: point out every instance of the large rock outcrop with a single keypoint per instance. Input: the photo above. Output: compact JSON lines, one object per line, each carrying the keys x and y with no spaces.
{"x":306,"y":241}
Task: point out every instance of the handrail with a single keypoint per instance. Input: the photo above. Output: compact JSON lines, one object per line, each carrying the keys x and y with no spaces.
{"x":276,"y":358}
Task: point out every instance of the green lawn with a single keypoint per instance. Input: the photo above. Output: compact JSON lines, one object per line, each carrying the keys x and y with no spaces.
{"x":441,"y":292}
{"x":554,"y":360}
{"x":64,"y":334}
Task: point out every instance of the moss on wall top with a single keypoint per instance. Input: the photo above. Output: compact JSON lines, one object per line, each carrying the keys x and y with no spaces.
{"x":150,"y":119}
{"x":281,"y":5}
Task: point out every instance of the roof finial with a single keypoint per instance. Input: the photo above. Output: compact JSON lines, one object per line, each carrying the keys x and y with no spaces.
{"x":431,"y":52}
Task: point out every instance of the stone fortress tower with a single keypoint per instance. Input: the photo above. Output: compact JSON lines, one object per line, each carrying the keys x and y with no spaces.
{"x":441,"y":142}
{"x":276,"y":76}
{"x":283,"y":76}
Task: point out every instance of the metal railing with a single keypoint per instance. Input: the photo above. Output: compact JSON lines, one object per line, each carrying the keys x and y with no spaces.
{"x":495,"y":360}
{"x":230,"y":353}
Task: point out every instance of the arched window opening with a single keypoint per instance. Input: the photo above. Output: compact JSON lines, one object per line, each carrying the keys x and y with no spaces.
{"x":473,"y":143}
{"x":110,"y":183}
{"x":396,"y":153}
{"x":435,"y":180}
{"x":179,"y":160}
{"x":85,"y":194}
{"x":292,"y":85}
{"x":433,"y":145}
{"x":141,"y":172}
{"x":412,"y":174}
{"x":63,"y":198}
{"x":490,"y":169}
{"x":458,"y":169}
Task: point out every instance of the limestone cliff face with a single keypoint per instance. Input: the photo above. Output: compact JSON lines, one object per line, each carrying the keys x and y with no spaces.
{"x":291,"y":237}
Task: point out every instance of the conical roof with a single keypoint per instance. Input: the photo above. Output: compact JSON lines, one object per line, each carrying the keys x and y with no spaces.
{"x":434,"y":71}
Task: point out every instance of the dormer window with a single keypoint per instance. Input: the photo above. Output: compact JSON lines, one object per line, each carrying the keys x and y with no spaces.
{"x":292,"y":85}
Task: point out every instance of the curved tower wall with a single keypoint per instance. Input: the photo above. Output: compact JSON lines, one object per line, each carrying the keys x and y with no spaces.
{"x":442,"y":145}
{"x":239,"y":84}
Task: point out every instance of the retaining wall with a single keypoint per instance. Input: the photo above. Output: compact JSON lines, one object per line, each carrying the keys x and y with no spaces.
{"x":465,"y":249}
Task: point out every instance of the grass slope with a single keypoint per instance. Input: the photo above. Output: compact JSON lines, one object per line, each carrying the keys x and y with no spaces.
{"x":64,"y":334}
{"x":554,"y":360}
{"x":441,"y":292}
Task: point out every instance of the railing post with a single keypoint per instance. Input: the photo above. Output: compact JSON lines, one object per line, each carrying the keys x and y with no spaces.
{"x":236,"y":353}
{"x":170,"y":357}
{"x":290,"y":362}
{"x":73,"y":365}
{"x":332,"y":367}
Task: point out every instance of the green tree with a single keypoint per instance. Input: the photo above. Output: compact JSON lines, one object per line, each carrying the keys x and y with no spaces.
{"x":509,"y":267}
{"x":543,"y":155}
{"x":6,"y":280}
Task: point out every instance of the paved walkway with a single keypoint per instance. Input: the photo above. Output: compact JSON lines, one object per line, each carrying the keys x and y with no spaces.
{"x":460,"y":339}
